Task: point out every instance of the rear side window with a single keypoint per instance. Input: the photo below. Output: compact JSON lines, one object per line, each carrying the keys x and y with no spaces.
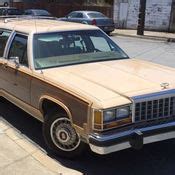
{"x":79,"y":15}
{"x":96,"y":15}
{"x":72,"y":15}
{"x":4,"y":35}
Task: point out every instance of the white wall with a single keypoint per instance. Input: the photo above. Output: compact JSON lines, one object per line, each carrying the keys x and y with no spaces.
{"x":157,"y":14}
{"x":133,"y":11}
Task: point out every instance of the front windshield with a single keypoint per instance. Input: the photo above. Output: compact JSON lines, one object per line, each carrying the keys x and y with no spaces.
{"x":74,"y":47}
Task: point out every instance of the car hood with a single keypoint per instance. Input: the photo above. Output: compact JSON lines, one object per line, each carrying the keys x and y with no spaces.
{"x":112,"y":83}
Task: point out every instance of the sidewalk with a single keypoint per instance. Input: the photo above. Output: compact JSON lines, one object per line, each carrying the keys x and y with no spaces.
{"x":163,"y":36}
{"x":19,"y":156}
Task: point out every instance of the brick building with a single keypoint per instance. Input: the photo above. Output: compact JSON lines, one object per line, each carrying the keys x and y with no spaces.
{"x":61,"y":8}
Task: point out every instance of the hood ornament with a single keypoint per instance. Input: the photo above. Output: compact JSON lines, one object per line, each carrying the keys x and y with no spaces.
{"x":164,"y":85}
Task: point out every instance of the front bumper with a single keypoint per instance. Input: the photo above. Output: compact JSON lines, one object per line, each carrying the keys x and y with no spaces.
{"x":136,"y":138}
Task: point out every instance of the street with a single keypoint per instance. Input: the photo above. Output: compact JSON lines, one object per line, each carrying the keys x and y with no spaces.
{"x":156,"y":51}
{"x":152,"y":159}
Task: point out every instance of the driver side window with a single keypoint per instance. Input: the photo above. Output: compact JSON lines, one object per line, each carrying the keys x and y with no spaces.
{"x":19,"y":49}
{"x":72,"y":15}
{"x":4,"y":35}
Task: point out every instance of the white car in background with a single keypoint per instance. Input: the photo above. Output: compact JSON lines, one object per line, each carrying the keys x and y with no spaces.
{"x":4,"y":3}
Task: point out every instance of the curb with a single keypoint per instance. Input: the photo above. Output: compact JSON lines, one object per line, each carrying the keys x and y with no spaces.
{"x":165,"y":39}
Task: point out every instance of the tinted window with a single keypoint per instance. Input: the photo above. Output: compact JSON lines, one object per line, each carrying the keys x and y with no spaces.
{"x":79,"y":15}
{"x":19,"y":49}
{"x":96,"y":15}
{"x":14,"y":12}
{"x":41,"y":13}
{"x":3,"y":40}
{"x":28,"y":12}
{"x":1,"y":11}
{"x":72,"y":15}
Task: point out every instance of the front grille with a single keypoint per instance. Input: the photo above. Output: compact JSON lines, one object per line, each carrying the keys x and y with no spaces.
{"x":155,"y":109}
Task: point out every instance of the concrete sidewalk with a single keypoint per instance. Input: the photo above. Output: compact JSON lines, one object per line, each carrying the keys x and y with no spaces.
{"x":163,"y":36}
{"x":19,"y":156}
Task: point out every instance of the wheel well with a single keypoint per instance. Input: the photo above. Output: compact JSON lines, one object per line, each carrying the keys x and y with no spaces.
{"x":48,"y":105}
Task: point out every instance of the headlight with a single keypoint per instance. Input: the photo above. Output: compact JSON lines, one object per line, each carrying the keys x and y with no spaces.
{"x":122,"y":112}
{"x":107,"y":119}
{"x":116,"y":114}
{"x":109,"y":116}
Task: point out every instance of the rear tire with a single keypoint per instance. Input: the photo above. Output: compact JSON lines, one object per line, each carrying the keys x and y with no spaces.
{"x":60,"y":137}
{"x":108,"y":33}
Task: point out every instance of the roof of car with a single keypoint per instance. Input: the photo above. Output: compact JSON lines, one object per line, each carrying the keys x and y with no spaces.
{"x":36,"y":9}
{"x":86,"y":11}
{"x":8,"y":8}
{"x":41,"y":25}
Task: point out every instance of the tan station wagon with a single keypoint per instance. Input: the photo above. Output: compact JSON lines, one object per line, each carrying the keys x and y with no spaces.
{"x":83,"y":87}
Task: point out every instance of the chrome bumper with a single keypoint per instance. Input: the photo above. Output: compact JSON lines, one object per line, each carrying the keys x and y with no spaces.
{"x":108,"y":143}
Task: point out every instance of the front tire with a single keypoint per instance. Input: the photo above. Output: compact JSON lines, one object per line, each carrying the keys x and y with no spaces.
{"x":60,"y":137}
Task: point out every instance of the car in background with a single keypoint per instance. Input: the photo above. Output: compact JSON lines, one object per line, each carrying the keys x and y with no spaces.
{"x":92,"y":18}
{"x":10,"y":11}
{"x":4,"y":3}
{"x":37,"y":12}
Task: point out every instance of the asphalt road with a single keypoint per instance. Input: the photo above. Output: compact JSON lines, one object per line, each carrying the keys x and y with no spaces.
{"x":151,"y":50}
{"x":153,"y":159}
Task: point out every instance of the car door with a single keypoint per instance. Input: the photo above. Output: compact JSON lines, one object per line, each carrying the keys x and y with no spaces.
{"x":79,"y":17}
{"x":4,"y":71}
{"x":18,"y":68}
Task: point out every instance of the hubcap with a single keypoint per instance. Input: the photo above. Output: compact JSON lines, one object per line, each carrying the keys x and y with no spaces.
{"x":64,"y":135}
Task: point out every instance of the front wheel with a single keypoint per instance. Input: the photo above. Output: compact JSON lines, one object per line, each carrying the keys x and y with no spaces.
{"x":61,"y":137}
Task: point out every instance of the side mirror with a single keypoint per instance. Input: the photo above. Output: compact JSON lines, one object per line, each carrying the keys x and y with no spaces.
{"x":16,"y":61}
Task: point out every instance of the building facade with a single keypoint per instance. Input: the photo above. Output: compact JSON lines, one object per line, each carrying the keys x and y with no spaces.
{"x":159,"y":15}
{"x":60,"y":8}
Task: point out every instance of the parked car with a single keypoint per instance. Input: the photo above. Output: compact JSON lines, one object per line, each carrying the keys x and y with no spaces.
{"x":4,"y":3}
{"x":84,"y":88}
{"x":91,"y":17}
{"x":37,"y":12}
{"x":10,"y":11}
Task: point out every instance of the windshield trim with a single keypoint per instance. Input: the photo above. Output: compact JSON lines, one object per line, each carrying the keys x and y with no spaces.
{"x":85,"y":62}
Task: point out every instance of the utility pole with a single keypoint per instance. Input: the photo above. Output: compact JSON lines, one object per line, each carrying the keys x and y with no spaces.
{"x":141,"y":20}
